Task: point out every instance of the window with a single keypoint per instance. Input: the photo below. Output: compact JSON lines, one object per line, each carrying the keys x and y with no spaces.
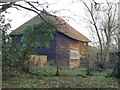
{"x":74,"y":54}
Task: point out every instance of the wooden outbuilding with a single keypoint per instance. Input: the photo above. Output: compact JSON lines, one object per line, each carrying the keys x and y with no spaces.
{"x":67,"y":47}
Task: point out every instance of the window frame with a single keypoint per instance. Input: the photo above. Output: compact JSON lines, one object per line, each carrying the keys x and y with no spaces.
{"x":74,"y":54}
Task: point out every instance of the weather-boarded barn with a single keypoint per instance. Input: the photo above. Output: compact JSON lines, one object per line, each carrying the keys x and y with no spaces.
{"x":67,"y":47}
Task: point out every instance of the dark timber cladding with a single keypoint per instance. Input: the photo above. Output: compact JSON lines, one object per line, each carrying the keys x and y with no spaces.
{"x":63,"y":46}
{"x":68,"y":45}
{"x":50,"y":52}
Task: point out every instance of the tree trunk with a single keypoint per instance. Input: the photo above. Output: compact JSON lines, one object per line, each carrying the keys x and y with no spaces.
{"x":119,"y":42}
{"x":87,"y":60}
{"x":106,"y":53}
{"x":116,"y":70}
{"x":58,"y":69}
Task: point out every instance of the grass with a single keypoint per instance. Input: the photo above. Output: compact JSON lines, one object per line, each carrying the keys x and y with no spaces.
{"x":68,"y":79}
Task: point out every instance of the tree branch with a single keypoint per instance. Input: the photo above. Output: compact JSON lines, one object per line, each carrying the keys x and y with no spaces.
{"x":6,"y":6}
{"x":35,"y":12}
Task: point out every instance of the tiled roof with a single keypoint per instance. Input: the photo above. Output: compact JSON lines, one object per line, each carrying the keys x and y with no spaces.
{"x":63,"y":27}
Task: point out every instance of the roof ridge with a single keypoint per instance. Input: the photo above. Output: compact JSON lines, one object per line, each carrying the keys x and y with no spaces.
{"x":64,"y":27}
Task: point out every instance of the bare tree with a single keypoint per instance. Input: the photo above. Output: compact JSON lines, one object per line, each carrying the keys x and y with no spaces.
{"x":32,"y":6}
{"x":116,"y":70}
{"x":119,"y":38}
{"x":104,"y":21}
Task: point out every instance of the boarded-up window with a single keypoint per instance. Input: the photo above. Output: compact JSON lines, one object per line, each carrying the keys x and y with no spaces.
{"x":74,"y":54}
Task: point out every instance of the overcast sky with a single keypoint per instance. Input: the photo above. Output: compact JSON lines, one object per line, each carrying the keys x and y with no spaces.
{"x":68,"y":8}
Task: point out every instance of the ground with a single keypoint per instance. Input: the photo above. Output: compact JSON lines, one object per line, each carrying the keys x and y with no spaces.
{"x":69,"y":78}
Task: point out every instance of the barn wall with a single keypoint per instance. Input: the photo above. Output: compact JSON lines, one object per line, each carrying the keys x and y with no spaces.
{"x":83,"y":48}
{"x":59,"y":49}
{"x":50,"y":52}
{"x":63,"y":46}
{"x":74,"y":45}
{"x":62,"y":49}
{"x":16,"y":39}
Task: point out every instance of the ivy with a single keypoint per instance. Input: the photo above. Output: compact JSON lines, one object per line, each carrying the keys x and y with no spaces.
{"x":39,"y":34}
{"x":34,"y":35}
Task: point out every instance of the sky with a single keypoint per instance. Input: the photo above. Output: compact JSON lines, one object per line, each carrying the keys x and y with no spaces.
{"x":73,"y":10}
{"x":65,"y":8}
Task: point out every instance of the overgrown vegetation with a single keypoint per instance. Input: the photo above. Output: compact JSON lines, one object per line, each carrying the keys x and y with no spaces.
{"x":69,"y":78}
{"x":17,"y":55}
{"x":16,"y":71}
{"x":102,"y":20}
